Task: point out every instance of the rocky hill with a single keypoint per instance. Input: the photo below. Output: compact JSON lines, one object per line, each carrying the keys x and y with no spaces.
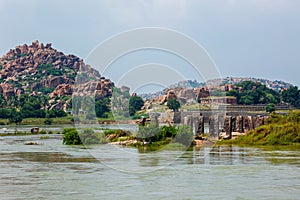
{"x":40,"y":69}
{"x":184,"y":87}
{"x":276,"y":85}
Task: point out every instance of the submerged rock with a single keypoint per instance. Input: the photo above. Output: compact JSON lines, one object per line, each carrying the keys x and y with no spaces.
{"x":31,"y":143}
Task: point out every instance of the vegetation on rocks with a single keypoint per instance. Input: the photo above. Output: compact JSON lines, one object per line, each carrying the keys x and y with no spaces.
{"x":254,"y":93}
{"x":153,"y":134}
{"x":149,"y":134}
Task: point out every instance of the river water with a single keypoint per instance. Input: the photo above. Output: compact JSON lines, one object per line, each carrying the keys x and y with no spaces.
{"x":51,"y":170}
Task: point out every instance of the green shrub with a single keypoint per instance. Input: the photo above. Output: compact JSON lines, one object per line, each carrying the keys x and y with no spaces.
{"x":71,"y":137}
{"x":42,"y":132}
{"x":48,"y":121}
{"x":184,"y":135}
{"x":44,"y":137}
{"x":164,"y":135}
{"x":89,"y":136}
{"x":149,"y":133}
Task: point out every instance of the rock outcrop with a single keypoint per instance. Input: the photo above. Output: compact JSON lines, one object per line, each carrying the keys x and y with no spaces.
{"x":40,"y":69}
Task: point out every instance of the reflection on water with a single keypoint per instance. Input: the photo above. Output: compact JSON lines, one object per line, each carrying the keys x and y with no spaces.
{"x":49,"y":157}
{"x":51,"y":170}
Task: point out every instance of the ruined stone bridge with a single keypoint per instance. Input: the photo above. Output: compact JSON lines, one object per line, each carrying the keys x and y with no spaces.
{"x":212,"y":122}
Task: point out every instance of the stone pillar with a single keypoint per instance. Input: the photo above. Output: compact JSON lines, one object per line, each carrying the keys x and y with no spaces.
{"x":233,"y":124}
{"x":177,"y":117}
{"x":214,"y":126}
{"x":200,"y":129}
{"x":196,"y":125}
{"x":240,"y":124}
{"x":156,"y":120}
{"x":248,"y":123}
{"x":211,"y":125}
{"x":228,"y":126}
{"x":188,"y":120}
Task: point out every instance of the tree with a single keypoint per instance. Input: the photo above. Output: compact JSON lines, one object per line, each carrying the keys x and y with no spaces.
{"x":135,"y":104}
{"x":254,"y":93}
{"x":270,"y":108}
{"x":71,"y":137}
{"x":16,"y":118}
{"x":102,"y":107}
{"x":292,"y":96}
{"x":173,"y":104}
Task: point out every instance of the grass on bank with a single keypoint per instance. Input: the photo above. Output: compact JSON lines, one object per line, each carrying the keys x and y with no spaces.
{"x":278,"y":130}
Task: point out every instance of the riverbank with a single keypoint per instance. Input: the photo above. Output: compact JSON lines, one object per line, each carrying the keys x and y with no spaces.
{"x":278,"y":130}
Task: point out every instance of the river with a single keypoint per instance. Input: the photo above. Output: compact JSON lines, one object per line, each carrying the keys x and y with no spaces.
{"x":51,"y":170}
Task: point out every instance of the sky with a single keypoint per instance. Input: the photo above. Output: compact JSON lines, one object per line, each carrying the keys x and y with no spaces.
{"x":244,"y":38}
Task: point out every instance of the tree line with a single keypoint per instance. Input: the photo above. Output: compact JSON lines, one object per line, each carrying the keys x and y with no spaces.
{"x":256,"y":93}
{"x":17,"y":108}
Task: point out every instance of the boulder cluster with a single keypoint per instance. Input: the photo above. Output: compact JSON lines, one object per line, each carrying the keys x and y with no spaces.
{"x":37,"y":67}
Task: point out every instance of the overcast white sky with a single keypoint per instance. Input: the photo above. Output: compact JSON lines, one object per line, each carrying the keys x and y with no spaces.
{"x":257,"y":38}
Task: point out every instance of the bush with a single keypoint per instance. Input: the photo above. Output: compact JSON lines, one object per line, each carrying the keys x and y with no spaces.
{"x":48,"y":121}
{"x":135,"y":104}
{"x":89,"y":136}
{"x":173,"y":104}
{"x":42,"y":132}
{"x":90,"y":116}
{"x":149,"y":133}
{"x":270,"y":108}
{"x":71,"y":137}
{"x":184,"y":135}
{"x":154,"y":134}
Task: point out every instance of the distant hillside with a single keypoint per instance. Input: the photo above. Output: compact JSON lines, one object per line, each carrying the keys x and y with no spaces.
{"x":187,"y":84}
{"x":215,"y":83}
{"x":274,"y":85}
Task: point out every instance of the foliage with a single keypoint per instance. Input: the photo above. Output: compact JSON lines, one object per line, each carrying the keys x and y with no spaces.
{"x":90,"y":116}
{"x":47,"y":69}
{"x":48,"y":121}
{"x":140,"y":115}
{"x":56,"y":113}
{"x":173,"y":104}
{"x":45,"y":90}
{"x":6,"y":113}
{"x":270,"y":108}
{"x":71,"y":137}
{"x":89,"y":136}
{"x":149,"y":133}
{"x":102,"y":107}
{"x":292,"y":96}
{"x":254,"y":93}
{"x":16,"y":118}
{"x":184,"y":135}
{"x":44,"y":137}
{"x":135,"y":104}
{"x":163,"y":135}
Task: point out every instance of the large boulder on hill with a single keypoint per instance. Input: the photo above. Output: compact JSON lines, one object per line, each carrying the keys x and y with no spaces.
{"x":62,"y":90}
{"x":7,"y":90}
